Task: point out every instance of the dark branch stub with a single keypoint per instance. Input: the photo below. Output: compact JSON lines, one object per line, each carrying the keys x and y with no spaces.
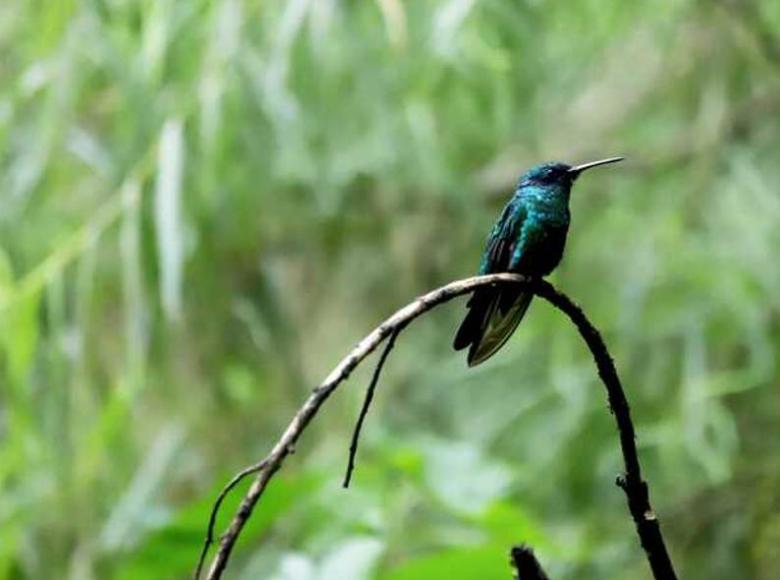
{"x":525,"y":564}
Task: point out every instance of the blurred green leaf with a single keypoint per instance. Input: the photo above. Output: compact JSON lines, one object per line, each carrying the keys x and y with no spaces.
{"x":18,"y":325}
{"x":168,"y":217}
{"x":509,"y":524}
{"x":489,"y":563}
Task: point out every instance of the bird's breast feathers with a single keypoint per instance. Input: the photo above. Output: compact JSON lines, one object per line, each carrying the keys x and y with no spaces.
{"x":541,"y":244}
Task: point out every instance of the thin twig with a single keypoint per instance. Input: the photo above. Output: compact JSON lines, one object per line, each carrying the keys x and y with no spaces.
{"x":237,"y":478}
{"x":366,"y":404}
{"x":635,"y":488}
{"x":525,"y":564}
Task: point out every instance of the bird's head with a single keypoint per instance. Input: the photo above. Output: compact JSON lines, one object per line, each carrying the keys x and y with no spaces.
{"x":559,"y":174}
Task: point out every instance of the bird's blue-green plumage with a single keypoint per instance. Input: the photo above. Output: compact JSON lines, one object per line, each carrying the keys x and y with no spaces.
{"x":527,"y":239}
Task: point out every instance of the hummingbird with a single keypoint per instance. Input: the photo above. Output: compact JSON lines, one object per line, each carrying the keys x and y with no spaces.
{"x":527,"y":239}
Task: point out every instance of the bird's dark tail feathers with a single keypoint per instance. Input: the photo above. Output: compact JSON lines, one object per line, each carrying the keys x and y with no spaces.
{"x":493,"y":315}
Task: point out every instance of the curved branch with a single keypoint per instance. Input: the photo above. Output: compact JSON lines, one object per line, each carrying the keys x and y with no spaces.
{"x":632,"y":484}
{"x":321,"y":393}
{"x":637,"y":493}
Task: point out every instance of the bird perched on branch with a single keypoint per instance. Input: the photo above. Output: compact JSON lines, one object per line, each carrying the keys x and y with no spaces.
{"x":527,"y":239}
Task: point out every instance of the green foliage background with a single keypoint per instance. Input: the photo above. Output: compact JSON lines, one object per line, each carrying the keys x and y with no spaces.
{"x":205,"y":204}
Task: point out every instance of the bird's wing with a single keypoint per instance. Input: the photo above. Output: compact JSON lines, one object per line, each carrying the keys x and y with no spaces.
{"x":494,"y":313}
{"x":505,"y":311}
{"x":502,"y":239}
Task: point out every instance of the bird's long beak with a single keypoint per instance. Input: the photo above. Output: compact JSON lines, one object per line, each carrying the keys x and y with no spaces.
{"x":577,"y":169}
